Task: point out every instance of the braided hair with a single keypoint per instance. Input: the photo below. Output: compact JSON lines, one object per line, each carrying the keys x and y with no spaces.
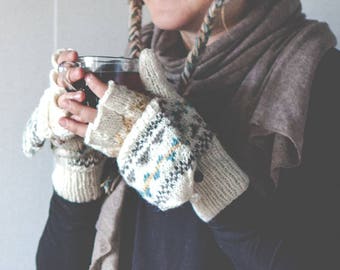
{"x":135,"y":28}
{"x":201,"y":41}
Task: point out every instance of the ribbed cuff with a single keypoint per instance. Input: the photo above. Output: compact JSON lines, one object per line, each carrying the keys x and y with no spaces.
{"x":118,"y":110}
{"x":223,"y":182}
{"x":78,"y":184}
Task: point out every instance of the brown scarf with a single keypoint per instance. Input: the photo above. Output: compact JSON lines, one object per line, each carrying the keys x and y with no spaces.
{"x":272,"y":54}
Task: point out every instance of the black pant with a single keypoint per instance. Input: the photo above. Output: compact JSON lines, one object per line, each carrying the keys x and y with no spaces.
{"x":68,"y":237}
{"x":67,"y":241}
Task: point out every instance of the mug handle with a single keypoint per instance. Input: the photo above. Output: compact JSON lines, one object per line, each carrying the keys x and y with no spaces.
{"x":63,"y":68}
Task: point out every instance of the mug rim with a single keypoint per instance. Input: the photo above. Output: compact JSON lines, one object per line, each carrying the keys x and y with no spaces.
{"x":108,"y":57}
{"x":92,"y":62}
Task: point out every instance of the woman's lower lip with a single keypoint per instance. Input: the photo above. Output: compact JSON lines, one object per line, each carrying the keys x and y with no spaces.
{"x":161,"y":4}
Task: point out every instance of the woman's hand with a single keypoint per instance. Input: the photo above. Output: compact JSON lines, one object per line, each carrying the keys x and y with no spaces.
{"x":81,"y":115}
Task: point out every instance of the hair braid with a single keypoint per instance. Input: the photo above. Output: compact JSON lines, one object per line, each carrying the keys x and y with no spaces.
{"x":135,"y":26}
{"x":200,"y":44}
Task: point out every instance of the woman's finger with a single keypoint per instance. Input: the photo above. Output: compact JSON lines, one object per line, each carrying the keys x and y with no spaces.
{"x":68,"y":56}
{"x":84,"y":113}
{"x":76,"y":118}
{"x":71,"y":75}
{"x":96,"y":85}
{"x":73,"y":126}
{"x":77,"y":96}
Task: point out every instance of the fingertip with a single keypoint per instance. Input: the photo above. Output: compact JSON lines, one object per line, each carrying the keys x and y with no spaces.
{"x":73,"y":126}
{"x":63,"y":122}
{"x":65,"y":103}
{"x":72,"y":55}
{"x":67,"y":56}
{"x":77,"y":74}
{"x":60,"y":100}
{"x":79,"y":96}
{"x":80,"y":72}
{"x":88,"y":78}
{"x":76,"y":118}
{"x":95,"y":84}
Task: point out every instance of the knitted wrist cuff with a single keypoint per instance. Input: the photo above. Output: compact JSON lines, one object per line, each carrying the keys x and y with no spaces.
{"x":78,"y":184}
{"x":118,"y":110}
{"x":223,"y":182}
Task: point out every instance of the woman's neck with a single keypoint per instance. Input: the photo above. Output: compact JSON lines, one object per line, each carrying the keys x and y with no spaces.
{"x":234,"y":11}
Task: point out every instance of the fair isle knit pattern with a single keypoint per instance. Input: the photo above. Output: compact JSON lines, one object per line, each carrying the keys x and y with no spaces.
{"x":159,"y":156}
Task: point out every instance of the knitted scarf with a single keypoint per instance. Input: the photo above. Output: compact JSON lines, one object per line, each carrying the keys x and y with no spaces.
{"x":272,"y":54}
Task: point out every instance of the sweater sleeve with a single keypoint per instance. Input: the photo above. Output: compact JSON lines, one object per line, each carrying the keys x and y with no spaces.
{"x":298,"y":227}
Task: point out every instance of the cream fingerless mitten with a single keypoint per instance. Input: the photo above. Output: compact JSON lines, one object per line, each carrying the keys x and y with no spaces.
{"x":43,"y":123}
{"x":118,"y":110}
{"x":78,"y":168}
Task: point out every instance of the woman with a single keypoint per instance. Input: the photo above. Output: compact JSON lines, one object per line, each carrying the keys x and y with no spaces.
{"x":242,"y":178}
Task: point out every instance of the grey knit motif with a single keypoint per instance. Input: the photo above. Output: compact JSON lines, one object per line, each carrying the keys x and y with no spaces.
{"x":144,"y":158}
{"x":138,"y":146}
{"x":84,"y":157}
{"x":31,"y":141}
{"x":166,"y":188}
{"x":175,"y":125}
{"x":155,"y":134}
{"x":191,"y":126}
{"x":85,"y":161}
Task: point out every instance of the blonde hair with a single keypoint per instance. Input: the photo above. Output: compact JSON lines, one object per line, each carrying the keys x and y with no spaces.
{"x":135,"y":43}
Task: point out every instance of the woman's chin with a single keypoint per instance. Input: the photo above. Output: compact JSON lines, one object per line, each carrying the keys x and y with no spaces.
{"x":167,"y":23}
{"x":172,"y":23}
{"x":177,"y":14}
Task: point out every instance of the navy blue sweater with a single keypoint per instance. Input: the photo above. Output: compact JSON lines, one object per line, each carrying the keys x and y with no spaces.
{"x":296,"y":228}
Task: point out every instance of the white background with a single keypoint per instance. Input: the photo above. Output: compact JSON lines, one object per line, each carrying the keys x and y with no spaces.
{"x":29,"y":32}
